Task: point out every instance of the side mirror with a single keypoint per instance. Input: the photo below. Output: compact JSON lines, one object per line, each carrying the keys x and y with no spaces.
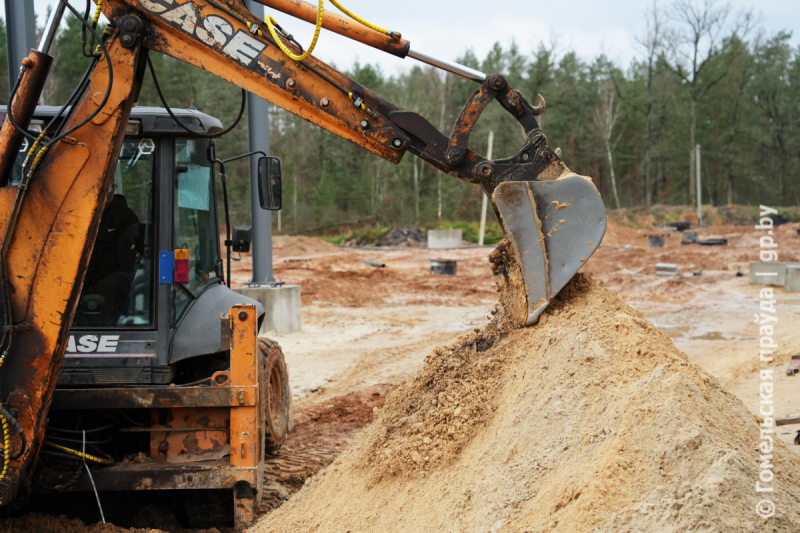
{"x":269,"y":183}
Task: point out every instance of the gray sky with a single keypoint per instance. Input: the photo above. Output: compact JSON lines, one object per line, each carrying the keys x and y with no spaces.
{"x":446,"y":28}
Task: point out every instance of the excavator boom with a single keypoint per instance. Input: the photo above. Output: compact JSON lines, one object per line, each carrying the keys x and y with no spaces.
{"x":553,"y":220}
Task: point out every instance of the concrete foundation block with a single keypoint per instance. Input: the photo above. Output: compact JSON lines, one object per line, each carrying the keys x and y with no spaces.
{"x":773,"y":273}
{"x":442,"y":239}
{"x":792,"y":278}
{"x":282,"y":307}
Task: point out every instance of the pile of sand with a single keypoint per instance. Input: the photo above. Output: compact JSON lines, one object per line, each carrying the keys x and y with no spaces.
{"x":590,"y":421}
{"x":285,"y":246}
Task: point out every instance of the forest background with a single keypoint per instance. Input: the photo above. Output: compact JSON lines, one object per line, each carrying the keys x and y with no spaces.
{"x":702,"y":75}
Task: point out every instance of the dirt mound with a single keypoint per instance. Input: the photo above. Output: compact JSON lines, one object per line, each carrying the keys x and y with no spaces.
{"x":591,"y":421}
{"x":284,"y":246}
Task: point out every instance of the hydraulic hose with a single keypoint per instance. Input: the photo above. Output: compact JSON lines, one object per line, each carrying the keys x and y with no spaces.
{"x":76,"y":453}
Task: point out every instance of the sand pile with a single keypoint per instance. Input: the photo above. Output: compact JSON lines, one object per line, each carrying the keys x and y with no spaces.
{"x":591,"y":421}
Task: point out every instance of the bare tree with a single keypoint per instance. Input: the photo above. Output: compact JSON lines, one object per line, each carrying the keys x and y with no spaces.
{"x":651,"y":43}
{"x":606,"y":115}
{"x":701,"y":25}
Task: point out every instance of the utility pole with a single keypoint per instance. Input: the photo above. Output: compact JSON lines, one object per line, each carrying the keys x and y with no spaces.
{"x":258,"y":128}
{"x":485,"y":201}
{"x":20,"y":36}
{"x":699,"y":188}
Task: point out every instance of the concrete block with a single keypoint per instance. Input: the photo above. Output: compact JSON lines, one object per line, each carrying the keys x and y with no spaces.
{"x":792,"y":278}
{"x":773,"y":273}
{"x":282,"y":308}
{"x":666,"y":269}
{"x":442,"y":239}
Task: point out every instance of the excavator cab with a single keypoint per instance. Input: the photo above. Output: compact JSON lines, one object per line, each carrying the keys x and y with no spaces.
{"x":149,"y":366}
{"x":135,"y":324}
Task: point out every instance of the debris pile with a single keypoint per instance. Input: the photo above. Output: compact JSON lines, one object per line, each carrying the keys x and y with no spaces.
{"x":409,"y":236}
{"x":590,"y":421}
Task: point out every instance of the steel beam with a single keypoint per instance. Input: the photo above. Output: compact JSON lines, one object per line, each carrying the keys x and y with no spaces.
{"x":258,"y":128}
{"x":20,"y":35}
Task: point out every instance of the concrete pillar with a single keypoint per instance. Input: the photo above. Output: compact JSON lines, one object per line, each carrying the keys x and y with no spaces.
{"x":792,"y":278}
{"x":444,"y":239}
{"x":772,"y":273}
{"x":281,"y":308}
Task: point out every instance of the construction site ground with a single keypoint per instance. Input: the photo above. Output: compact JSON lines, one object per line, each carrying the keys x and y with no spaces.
{"x":366,"y":330}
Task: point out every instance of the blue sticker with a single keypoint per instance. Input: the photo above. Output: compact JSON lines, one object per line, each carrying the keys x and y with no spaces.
{"x":166,"y":266}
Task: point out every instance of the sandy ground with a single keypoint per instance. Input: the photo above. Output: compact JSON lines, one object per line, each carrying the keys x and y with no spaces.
{"x":364,"y":326}
{"x":367,"y":330}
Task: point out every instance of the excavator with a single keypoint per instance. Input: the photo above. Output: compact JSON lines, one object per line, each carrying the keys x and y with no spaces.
{"x":126,"y":362}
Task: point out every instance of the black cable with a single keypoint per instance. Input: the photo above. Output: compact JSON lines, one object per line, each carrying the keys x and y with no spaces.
{"x":61,"y":455}
{"x":80,"y":431}
{"x":83,"y":30}
{"x":12,"y":421}
{"x":194,"y":383}
{"x":68,"y":484}
{"x":79,"y":441}
{"x":224,"y":180}
{"x":177,"y":121}
{"x":101,"y":105}
{"x":9,"y":112}
{"x":79,"y":89}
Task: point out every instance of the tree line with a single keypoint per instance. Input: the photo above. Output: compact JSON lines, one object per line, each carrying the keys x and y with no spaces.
{"x":703,"y":75}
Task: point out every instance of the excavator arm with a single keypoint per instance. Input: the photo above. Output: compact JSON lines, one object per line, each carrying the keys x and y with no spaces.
{"x":553,"y":220}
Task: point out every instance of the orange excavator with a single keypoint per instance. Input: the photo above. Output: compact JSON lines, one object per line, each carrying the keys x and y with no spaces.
{"x":123,"y":352}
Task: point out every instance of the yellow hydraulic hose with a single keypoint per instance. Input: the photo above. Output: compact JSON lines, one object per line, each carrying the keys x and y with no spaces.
{"x":97,"y":13}
{"x":76,"y":453}
{"x":6,"y":447}
{"x":359,"y":19}
{"x":271,"y":23}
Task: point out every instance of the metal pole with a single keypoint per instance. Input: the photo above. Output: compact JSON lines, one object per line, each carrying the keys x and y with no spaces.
{"x":485,"y":201}
{"x":20,"y":36}
{"x":258,"y":128}
{"x":699,"y":188}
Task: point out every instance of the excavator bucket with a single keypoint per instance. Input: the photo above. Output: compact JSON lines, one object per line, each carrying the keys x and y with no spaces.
{"x":553,"y":228}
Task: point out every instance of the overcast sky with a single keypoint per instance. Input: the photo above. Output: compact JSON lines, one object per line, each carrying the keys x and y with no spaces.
{"x":446,"y":28}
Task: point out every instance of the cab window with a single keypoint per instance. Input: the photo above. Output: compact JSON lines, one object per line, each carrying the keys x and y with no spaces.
{"x":195,"y":225}
{"x":119,"y":285}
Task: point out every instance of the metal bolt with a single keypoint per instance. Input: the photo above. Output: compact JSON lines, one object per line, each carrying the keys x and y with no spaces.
{"x":526,"y":156}
{"x":126,"y":39}
{"x":485,"y":171}
{"x":291,"y":83}
{"x":325,"y":102}
{"x":455,"y":156}
{"x":497,"y":82}
{"x":130,"y":24}
{"x":243,"y":316}
{"x":364,"y":124}
{"x":397,"y":143}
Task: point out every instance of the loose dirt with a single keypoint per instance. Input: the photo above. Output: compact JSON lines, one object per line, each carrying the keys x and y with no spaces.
{"x":591,"y":421}
{"x":40,"y":523}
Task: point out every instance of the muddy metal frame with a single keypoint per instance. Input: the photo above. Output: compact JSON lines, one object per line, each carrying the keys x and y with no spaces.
{"x":234,"y":394}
